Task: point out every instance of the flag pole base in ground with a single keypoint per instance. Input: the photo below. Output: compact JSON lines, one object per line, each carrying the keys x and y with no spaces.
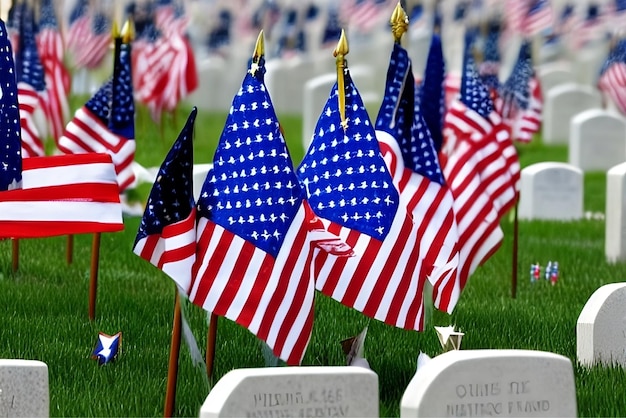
{"x":210,"y":345}
{"x":172,"y":370}
{"x":15,"y":254}
{"x":93,"y":274}
{"x":70,"y":249}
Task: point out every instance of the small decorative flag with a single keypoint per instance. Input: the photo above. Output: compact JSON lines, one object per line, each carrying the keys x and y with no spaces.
{"x":449,"y":338}
{"x":535,"y":272}
{"x":548,"y":271}
{"x":107,"y":347}
{"x":554,"y":273}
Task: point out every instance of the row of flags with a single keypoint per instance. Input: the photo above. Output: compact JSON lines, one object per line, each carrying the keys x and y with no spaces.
{"x":372,"y":212}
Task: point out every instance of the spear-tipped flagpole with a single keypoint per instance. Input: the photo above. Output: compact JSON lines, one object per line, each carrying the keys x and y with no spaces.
{"x":399,"y":23}
{"x":340,"y":52}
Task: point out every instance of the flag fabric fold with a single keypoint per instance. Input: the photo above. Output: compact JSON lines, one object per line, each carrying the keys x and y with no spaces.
{"x":167,"y":234}
{"x":255,"y":247}
{"x":612,"y":81}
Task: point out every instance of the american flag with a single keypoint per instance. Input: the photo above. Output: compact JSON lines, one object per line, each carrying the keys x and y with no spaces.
{"x":364,"y":15}
{"x":94,"y":44}
{"x":31,"y":89}
{"x":166,"y":72}
{"x":490,"y":67}
{"x":538,"y":18}
{"x":612,"y":81}
{"x":255,"y":247}
{"x":431,"y":95}
{"x":106,"y":122}
{"x":167,"y":233}
{"x":79,"y":25}
{"x":591,"y":28}
{"x":520,"y":100}
{"x":351,"y":189}
{"x":170,"y":17}
{"x":477,"y":170}
{"x":409,"y":150}
{"x":63,"y":194}
{"x":10,"y":132}
{"x":50,"y":46}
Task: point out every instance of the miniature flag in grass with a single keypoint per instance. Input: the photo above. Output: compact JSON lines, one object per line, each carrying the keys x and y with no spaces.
{"x":167,"y":234}
{"x":106,"y":122}
{"x":31,"y":86}
{"x":257,"y":237}
{"x":108,"y":347}
{"x":350,"y":188}
{"x":410,"y":153}
{"x":10,"y":137}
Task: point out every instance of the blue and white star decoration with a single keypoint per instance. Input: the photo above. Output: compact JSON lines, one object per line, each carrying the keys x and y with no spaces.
{"x":108,"y":347}
{"x":10,"y":130}
{"x":252,"y":189}
{"x":345,"y":176}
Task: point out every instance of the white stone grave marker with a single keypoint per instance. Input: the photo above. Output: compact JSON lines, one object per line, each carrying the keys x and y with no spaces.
{"x":479,"y":383}
{"x":555,"y":73}
{"x":24,"y":388}
{"x":200,"y":172}
{"x":551,"y":191}
{"x":294,"y":391}
{"x":597,"y":140}
{"x":615,"y":224}
{"x":561,"y":104}
{"x":284,"y":80}
{"x":601,"y":327}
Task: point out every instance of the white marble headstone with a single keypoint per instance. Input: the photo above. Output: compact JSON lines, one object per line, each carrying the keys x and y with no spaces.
{"x":601,"y":327}
{"x":505,"y":383}
{"x":554,"y":74}
{"x":551,"y":191}
{"x":615,"y":221}
{"x":561,"y":104}
{"x":597,"y":140}
{"x":294,"y":391}
{"x":200,"y":172}
{"x":24,"y":388}
{"x":284,"y":79}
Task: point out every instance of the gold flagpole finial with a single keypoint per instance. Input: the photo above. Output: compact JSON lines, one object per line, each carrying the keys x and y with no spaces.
{"x":340,"y":52}
{"x":115,"y":30}
{"x":399,"y":23}
{"x":128,"y":32}
{"x":259,"y":51}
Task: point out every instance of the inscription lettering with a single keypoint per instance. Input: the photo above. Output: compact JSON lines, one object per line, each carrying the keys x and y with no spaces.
{"x":317,"y":403}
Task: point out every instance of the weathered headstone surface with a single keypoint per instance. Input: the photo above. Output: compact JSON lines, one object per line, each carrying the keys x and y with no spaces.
{"x":24,"y":388}
{"x":505,"y":383}
{"x":294,"y":392}
{"x":284,"y":80}
{"x":554,"y":74}
{"x":551,"y":191}
{"x":601,"y":327}
{"x":597,"y":140}
{"x":561,"y":104}
{"x":615,"y":224}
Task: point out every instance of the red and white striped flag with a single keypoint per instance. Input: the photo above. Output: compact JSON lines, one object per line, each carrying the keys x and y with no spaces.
{"x":64,"y":194}
{"x":257,"y":237}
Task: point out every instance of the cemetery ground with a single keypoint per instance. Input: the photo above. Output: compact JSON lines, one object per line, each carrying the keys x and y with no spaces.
{"x":44,"y":307}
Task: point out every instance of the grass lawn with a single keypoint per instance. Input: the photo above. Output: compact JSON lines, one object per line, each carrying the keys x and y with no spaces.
{"x":45,"y":305}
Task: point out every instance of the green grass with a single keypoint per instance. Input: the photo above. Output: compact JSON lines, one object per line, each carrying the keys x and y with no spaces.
{"x":45,"y":305}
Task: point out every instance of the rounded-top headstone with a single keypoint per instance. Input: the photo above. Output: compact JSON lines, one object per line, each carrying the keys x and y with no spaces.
{"x":597,"y":140}
{"x":615,"y":226}
{"x":601,"y":327}
{"x":506,"y":383}
{"x":24,"y":388}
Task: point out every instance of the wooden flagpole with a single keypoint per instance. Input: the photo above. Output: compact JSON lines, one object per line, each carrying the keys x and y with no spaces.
{"x":15,"y":254}
{"x":210,"y":344}
{"x":172,"y":371}
{"x":70,"y":249}
{"x":515,"y":252}
{"x":93,"y":274}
